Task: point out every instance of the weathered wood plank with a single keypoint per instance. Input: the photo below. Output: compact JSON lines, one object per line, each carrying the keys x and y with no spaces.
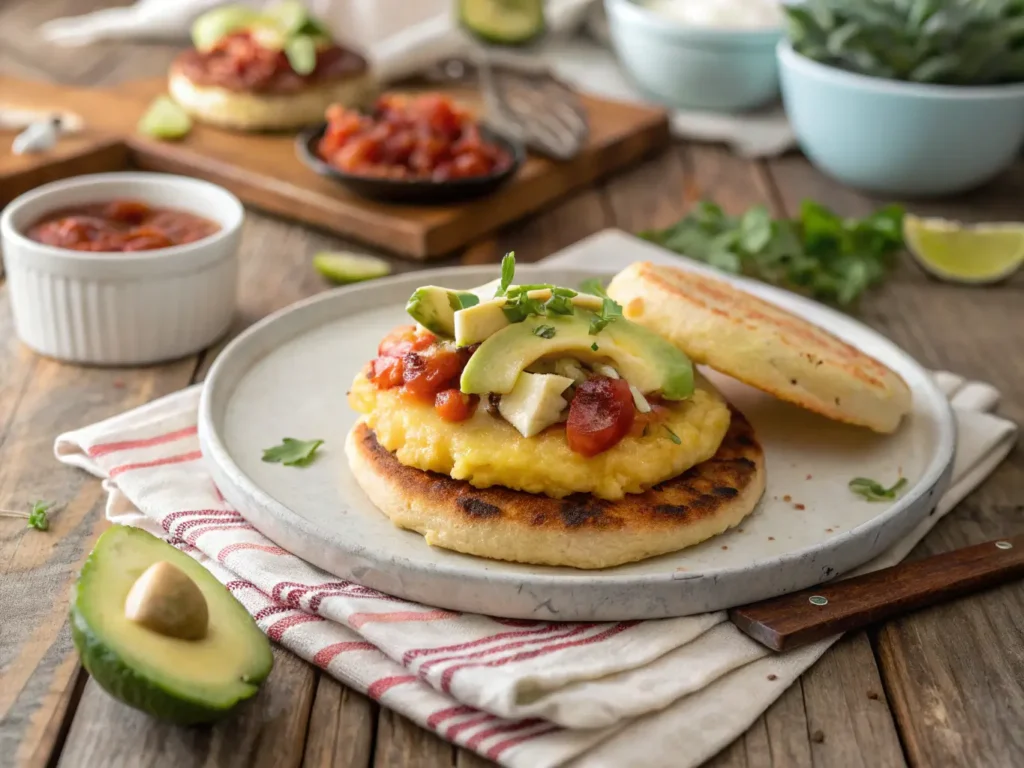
{"x":342,"y":727}
{"x":268,"y":732}
{"x":403,"y":744}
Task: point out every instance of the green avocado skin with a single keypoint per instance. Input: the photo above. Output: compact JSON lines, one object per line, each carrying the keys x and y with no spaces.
{"x":117,"y":676}
{"x":124,"y":684}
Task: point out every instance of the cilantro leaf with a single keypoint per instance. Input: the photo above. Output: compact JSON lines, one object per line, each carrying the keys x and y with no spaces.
{"x":37,"y":517}
{"x":594,"y":346}
{"x":559,"y":304}
{"x":519,"y":305}
{"x":508,"y":271}
{"x":292,"y":453}
{"x":673,"y":436}
{"x":872,"y":490}
{"x":819,"y":253}
{"x":609,"y":311}
{"x":462,"y":300}
{"x":544,"y":331}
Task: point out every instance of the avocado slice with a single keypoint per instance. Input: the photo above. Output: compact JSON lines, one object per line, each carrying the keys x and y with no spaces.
{"x":434,"y":308}
{"x":476,"y":323}
{"x":644,"y":359}
{"x":218,"y":22}
{"x":183,"y":681}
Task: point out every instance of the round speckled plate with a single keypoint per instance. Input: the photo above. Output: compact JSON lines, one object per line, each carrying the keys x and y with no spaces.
{"x":287,"y":376}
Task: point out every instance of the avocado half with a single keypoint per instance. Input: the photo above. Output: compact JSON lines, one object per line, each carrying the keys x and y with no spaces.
{"x":182,"y":681}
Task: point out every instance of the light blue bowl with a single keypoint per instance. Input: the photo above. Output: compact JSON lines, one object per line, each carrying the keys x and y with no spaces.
{"x":899,"y":138}
{"x":691,"y":67}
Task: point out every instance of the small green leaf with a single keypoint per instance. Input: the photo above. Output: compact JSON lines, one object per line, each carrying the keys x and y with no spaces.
{"x":544,"y":331}
{"x":594,"y":346}
{"x":292,"y":453}
{"x":508,"y":272}
{"x":673,"y":436}
{"x":301,"y":54}
{"x":37,"y":517}
{"x":872,"y":490}
{"x":755,"y":229}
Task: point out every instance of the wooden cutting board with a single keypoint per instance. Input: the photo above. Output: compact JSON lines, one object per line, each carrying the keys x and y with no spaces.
{"x":264,"y":171}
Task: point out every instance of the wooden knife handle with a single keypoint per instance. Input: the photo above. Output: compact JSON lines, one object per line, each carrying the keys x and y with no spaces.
{"x":799,"y":618}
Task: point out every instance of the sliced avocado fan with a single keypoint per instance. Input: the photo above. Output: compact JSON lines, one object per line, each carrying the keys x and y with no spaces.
{"x":181,"y":680}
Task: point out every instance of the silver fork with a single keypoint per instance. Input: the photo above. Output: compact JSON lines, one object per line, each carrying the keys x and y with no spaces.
{"x":525,"y":102}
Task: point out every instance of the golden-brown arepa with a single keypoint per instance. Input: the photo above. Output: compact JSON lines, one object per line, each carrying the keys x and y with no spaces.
{"x":580,"y":530}
{"x":763,"y":345}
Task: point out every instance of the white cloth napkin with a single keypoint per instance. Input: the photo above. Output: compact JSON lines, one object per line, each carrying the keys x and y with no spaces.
{"x":402,"y":37}
{"x":526,"y":694}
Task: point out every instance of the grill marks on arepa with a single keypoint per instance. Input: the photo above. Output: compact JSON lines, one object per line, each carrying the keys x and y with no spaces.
{"x":762,"y":345}
{"x":579,"y":530}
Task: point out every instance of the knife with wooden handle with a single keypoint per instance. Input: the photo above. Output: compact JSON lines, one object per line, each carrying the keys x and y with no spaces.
{"x":787,"y":622}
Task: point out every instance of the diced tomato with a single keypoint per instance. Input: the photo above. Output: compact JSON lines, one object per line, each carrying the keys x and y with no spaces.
{"x":386,"y":372}
{"x":453,"y":405}
{"x":600,"y":415}
{"x":427,"y":373}
{"x":403,"y":340}
{"x":128,"y":211}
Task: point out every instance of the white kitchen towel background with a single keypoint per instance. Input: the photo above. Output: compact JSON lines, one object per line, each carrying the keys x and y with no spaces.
{"x":403,"y":37}
{"x":658,"y":694}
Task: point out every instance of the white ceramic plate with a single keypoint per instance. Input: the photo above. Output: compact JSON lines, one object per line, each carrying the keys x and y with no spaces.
{"x":288,"y":375}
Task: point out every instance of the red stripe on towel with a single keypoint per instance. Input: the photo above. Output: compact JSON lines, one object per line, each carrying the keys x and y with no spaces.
{"x":181,"y":458}
{"x":379,"y":687}
{"x":268,"y":548}
{"x":518,"y":725}
{"x":444,"y":714}
{"x":326,"y":655}
{"x":357,"y":620}
{"x":496,"y":751}
{"x":102,"y":449}
{"x":417,"y":652}
{"x":278,"y":628}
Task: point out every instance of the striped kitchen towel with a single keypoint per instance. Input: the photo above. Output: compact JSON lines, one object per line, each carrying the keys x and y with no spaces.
{"x":526,"y":694}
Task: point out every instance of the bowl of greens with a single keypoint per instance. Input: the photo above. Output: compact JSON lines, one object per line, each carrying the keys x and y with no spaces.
{"x":915,"y":98}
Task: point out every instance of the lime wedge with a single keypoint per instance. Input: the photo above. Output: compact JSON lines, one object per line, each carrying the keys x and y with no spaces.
{"x":290,"y":16}
{"x":165,"y":120}
{"x":951,"y":250}
{"x":213,"y":25}
{"x":503,"y":22}
{"x":340,"y":267}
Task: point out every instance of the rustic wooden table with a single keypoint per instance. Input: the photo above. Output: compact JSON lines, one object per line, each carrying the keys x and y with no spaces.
{"x":944,"y":687}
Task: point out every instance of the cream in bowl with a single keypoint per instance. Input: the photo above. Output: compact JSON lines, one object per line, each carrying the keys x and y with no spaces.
{"x":122,"y":268}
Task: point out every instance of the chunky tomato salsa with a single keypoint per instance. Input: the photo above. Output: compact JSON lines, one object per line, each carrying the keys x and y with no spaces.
{"x":410,"y":137}
{"x":427,"y":369}
{"x":120,"y":225}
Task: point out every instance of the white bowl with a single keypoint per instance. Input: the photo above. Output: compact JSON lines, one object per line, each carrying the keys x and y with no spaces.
{"x":123,"y":308}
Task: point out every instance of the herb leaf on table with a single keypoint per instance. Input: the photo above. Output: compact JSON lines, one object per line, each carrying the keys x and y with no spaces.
{"x":819,"y":254}
{"x":872,"y":490}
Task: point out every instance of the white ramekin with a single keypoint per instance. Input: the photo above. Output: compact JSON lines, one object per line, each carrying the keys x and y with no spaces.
{"x":123,"y":308}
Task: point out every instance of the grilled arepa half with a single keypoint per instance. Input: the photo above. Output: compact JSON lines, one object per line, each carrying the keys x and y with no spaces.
{"x":580,"y":530}
{"x":762,"y":345}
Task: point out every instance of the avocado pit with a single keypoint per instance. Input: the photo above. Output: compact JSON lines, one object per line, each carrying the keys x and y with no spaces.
{"x":165,"y":600}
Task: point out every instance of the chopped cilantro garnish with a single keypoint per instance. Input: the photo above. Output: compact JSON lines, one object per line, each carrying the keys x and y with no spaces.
{"x":594,"y":346}
{"x":37,"y":517}
{"x":872,"y":490}
{"x":544,"y":331}
{"x":508,"y":271}
{"x":519,"y":306}
{"x":559,"y":304}
{"x":673,"y":436}
{"x":608,"y":312}
{"x":292,"y":453}
{"x":462,"y":300}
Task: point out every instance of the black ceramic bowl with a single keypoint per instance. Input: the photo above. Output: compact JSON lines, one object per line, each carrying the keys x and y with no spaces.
{"x":417,"y":191}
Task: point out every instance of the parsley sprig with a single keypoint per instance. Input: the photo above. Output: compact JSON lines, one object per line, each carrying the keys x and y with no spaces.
{"x":819,"y":254}
{"x":872,"y":490}
{"x":36,"y":516}
{"x":292,"y":452}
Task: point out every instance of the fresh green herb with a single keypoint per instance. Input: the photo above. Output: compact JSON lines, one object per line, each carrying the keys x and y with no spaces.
{"x":519,"y":305}
{"x":609,"y":311}
{"x":559,"y":304}
{"x":36,"y":516}
{"x":292,"y":453}
{"x":953,"y":42}
{"x":872,"y":490}
{"x":508,"y":271}
{"x":819,"y":254}
{"x":544,"y":331}
{"x":673,"y":436}
{"x":594,"y":287}
{"x":594,"y":346}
